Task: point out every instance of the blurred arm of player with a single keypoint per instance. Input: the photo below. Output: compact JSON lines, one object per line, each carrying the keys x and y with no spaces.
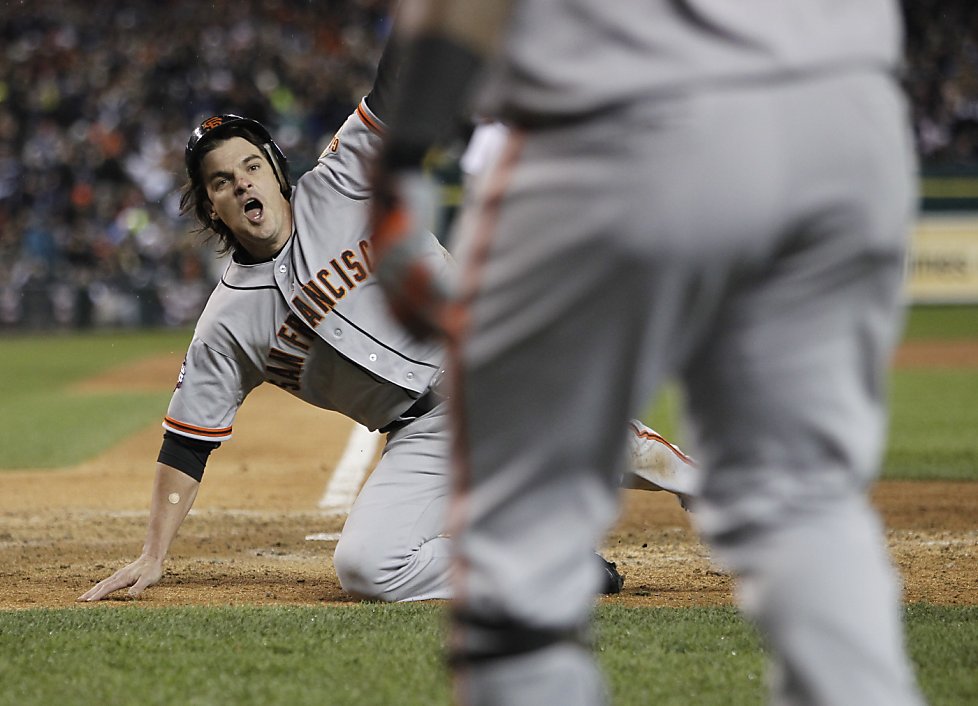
{"x":173,"y":495}
{"x":445,"y":44}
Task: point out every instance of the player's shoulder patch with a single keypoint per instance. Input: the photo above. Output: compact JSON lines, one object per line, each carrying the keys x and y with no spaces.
{"x":183,"y":373}
{"x":332,"y":148}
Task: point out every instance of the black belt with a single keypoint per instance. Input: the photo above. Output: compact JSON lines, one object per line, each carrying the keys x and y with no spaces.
{"x":424,"y":404}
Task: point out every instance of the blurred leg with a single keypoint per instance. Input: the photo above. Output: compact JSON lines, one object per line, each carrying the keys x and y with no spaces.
{"x":542,"y":432}
{"x":789,"y":399}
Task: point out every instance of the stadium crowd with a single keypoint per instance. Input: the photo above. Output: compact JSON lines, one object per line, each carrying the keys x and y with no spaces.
{"x":942,"y":80}
{"x":97,"y":98}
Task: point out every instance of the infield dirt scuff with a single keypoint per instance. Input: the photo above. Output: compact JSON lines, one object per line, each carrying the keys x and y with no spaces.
{"x":244,"y":542}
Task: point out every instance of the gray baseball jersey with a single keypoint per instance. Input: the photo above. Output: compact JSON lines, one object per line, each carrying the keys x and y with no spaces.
{"x":596,"y":55}
{"x":314,"y":322}
{"x":718,"y":192}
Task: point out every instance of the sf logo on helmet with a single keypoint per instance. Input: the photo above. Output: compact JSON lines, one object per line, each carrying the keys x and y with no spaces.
{"x":212,"y":123}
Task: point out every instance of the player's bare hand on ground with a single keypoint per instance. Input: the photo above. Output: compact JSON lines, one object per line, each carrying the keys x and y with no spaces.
{"x":146,"y":571}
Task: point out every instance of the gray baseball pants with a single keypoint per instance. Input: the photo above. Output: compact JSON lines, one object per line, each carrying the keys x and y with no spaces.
{"x":393,"y":546}
{"x":748,"y":241}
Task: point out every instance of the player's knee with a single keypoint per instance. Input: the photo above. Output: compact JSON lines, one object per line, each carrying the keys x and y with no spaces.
{"x":377,"y":571}
{"x":367,"y":570}
{"x":356,"y":570}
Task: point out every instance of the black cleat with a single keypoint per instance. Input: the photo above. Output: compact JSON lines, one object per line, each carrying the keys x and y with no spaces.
{"x":613,"y":580}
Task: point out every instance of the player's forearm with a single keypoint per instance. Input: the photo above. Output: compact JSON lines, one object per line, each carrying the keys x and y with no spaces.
{"x":173,"y":495}
{"x":445,"y":47}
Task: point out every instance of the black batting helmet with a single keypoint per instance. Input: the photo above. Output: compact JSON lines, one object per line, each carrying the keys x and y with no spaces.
{"x":218,"y":124}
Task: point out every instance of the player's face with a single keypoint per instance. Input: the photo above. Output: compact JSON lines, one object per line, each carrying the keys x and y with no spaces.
{"x":246,"y":196}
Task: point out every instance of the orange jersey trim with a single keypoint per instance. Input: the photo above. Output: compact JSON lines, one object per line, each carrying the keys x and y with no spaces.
{"x":372,"y":124}
{"x":194,"y":431}
{"x":651,"y":436}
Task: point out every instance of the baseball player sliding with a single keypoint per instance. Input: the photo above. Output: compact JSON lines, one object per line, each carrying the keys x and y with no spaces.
{"x":298,"y":307}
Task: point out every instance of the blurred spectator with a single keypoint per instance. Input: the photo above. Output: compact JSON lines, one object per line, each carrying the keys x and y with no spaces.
{"x":97,"y":98}
{"x":942,"y":80}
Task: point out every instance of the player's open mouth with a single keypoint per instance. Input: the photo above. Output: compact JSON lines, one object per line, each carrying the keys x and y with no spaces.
{"x":254,"y":210}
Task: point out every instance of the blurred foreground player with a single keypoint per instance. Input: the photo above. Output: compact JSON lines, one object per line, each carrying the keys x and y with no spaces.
{"x":715,"y":191}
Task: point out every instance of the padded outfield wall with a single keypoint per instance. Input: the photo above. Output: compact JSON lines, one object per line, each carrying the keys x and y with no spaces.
{"x":943,"y":263}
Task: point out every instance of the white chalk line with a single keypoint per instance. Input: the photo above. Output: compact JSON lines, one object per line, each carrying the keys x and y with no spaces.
{"x":342,"y":489}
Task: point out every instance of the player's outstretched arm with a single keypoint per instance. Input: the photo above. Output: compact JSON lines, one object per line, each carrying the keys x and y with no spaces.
{"x":173,"y":495}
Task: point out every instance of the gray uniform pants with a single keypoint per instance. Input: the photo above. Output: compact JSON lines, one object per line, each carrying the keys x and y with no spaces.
{"x":749,"y":242}
{"x":394,"y":546}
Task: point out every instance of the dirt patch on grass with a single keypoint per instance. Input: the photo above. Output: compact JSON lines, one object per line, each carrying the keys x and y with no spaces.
{"x":937,"y":354}
{"x":145,"y":375}
{"x":245,"y":541}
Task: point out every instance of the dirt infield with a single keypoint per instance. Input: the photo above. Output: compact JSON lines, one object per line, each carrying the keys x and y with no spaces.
{"x":60,"y":531}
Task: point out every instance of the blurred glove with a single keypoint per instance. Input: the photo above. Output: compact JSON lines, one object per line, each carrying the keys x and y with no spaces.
{"x":404,"y":208}
{"x":434,"y":85}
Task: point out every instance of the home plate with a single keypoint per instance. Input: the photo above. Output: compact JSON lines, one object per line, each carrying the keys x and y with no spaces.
{"x":323,"y":537}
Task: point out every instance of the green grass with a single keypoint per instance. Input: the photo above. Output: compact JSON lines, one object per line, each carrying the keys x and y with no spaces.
{"x":384,"y":655}
{"x":942,"y":322}
{"x":368,"y":654}
{"x":44,"y":423}
{"x":52,"y":361}
{"x":933,"y":413}
{"x":943,"y":644}
{"x":674,"y":656}
{"x":933,"y":425}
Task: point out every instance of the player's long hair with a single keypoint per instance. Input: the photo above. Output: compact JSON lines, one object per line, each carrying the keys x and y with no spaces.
{"x":193,"y":196}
